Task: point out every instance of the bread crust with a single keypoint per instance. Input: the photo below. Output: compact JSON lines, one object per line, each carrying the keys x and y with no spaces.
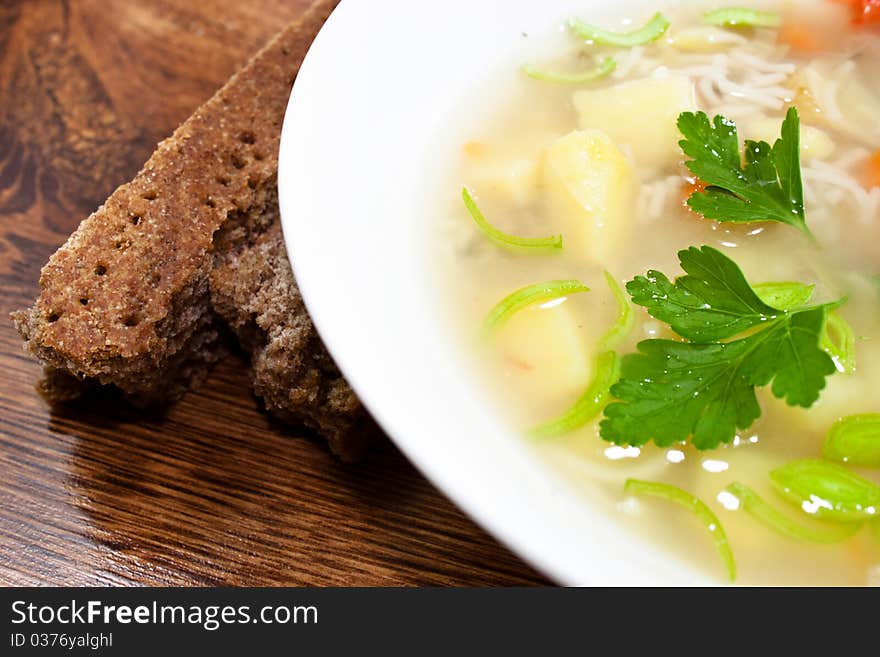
{"x":127,"y":300}
{"x":128,"y":291}
{"x":253,"y":289}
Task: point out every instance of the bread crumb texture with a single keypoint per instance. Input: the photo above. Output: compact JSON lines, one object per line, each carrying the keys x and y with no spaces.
{"x":133,"y":299}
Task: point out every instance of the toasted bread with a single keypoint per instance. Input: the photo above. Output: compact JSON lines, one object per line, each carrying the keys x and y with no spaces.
{"x":127,"y":300}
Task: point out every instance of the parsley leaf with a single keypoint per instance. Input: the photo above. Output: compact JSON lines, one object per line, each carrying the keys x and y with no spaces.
{"x":713,"y":302}
{"x":705,"y":390}
{"x":767,"y":188}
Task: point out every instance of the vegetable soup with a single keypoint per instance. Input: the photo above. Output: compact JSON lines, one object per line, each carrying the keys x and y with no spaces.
{"x":661,"y":248}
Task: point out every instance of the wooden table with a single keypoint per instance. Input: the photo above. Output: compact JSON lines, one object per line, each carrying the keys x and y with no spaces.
{"x":214,"y":492}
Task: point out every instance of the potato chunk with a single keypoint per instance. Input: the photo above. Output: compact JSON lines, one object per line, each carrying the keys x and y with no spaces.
{"x":544,"y":352}
{"x":590,"y":191}
{"x":815,"y":143}
{"x":640,"y":116}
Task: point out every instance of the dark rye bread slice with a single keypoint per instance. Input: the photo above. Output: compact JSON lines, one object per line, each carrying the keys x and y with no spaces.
{"x":253,"y":289}
{"x":126,"y":301}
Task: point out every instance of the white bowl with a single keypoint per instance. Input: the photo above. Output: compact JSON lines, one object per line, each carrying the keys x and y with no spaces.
{"x":358,"y":158}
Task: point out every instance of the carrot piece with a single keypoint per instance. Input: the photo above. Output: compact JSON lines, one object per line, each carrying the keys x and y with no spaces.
{"x":691,"y":186}
{"x":801,"y":38}
{"x":870,"y":12}
{"x":864,"y":12}
{"x":872,"y":171}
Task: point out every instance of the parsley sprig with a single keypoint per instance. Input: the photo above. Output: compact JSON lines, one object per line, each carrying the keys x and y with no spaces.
{"x":704,"y":389}
{"x":768,"y":187}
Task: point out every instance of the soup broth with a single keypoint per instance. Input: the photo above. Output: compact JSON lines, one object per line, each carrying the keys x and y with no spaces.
{"x":541,"y":360}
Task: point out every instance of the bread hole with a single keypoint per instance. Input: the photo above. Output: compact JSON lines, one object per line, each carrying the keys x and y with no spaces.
{"x":120,"y":244}
{"x":248,"y":138}
{"x":130,"y":321}
{"x":84,"y":301}
{"x":53,"y":317}
{"x":210,"y":202}
{"x":155,"y":278}
{"x":150,"y":195}
{"x":259,"y":156}
{"x":135,"y":219}
{"x":100,"y":270}
{"x":252,"y":182}
{"x":238,"y":161}
{"x":223,"y":180}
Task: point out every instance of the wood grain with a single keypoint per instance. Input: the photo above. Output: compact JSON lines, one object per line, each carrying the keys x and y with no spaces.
{"x":213,"y":492}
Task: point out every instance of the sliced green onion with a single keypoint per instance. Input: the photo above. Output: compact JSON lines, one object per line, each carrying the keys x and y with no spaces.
{"x":503,"y":239}
{"x":695,"y":506}
{"x":785,"y":296}
{"x":603,"y":70}
{"x":854,"y":439}
{"x":839,"y":340}
{"x":529,"y":296}
{"x":740,"y":17}
{"x":756,"y":507}
{"x":654,"y":29}
{"x":827,"y":490}
{"x":625,"y":316}
{"x":591,"y":403}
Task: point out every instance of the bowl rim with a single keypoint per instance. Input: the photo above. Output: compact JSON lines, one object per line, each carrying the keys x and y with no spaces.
{"x":525,"y":506}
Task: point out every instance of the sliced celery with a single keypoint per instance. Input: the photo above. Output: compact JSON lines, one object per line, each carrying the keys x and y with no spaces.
{"x":755,"y":506}
{"x":503,"y":239}
{"x":604,"y":69}
{"x":529,"y":296}
{"x":695,"y":506}
{"x":651,"y":32}
{"x":741,"y":17}
{"x":827,"y":490}
{"x":854,"y":439}
{"x":839,"y":340}
{"x":784,"y":296}
{"x":623,"y":325}
{"x":591,"y":403}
